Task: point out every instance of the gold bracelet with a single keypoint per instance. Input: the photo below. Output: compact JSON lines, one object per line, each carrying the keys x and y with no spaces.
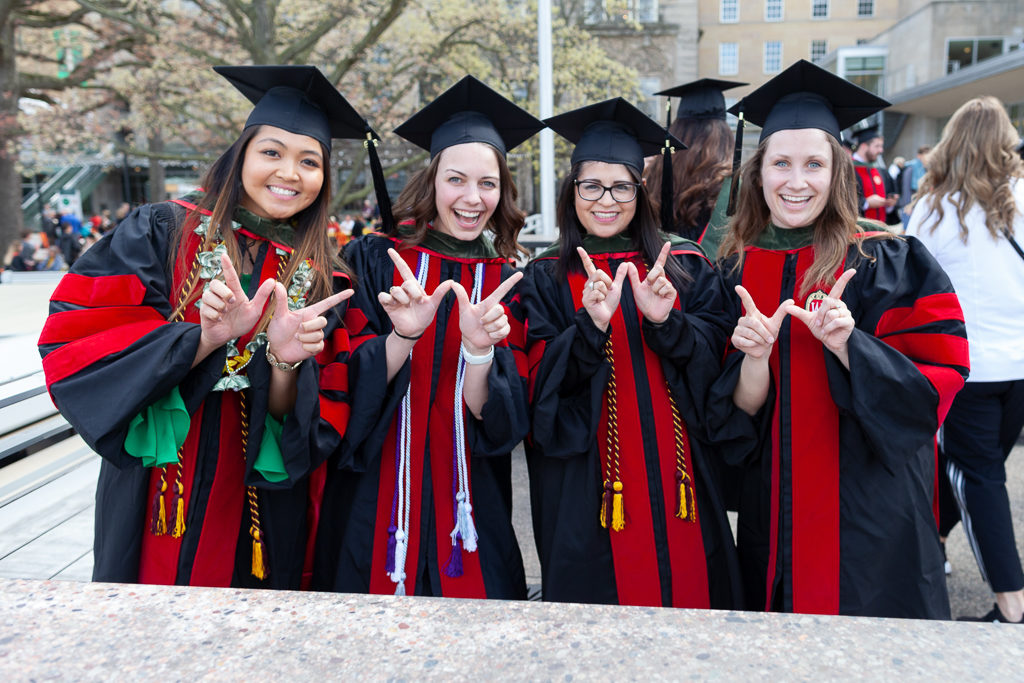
{"x":284,"y":367}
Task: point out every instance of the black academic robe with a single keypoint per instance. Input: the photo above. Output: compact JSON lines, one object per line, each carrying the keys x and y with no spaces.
{"x":836,"y":513}
{"x":356,"y":545}
{"x":580,"y":393}
{"x":109,"y":353}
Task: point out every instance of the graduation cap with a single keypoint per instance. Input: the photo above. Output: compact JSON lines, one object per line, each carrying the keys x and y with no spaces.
{"x":616,"y":132}
{"x":469,"y":111}
{"x":700,"y":99}
{"x":863,"y":135}
{"x":300,"y":100}
{"x":802,"y":96}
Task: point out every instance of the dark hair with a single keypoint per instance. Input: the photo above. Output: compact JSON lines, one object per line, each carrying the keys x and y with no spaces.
{"x":834,"y":229}
{"x":642,"y":230}
{"x":222,"y":184}
{"x":417,"y":204}
{"x":697,"y":172}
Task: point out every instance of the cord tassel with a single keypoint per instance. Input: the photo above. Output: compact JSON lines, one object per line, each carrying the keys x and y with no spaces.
{"x":158,"y":525}
{"x":398,"y":576}
{"x":178,"y":506}
{"x":259,"y":569}
{"x":682,"y":505}
{"x":618,"y":514}
{"x":453,"y":568}
{"x":389,"y":562}
{"x":606,"y":504}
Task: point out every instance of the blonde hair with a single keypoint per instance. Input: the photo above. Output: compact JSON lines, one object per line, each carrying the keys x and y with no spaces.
{"x":974,"y":163}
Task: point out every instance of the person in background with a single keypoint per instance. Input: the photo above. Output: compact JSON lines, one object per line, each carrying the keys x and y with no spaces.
{"x":970,"y":214}
{"x":910,"y":179}
{"x":842,"y":366}
{"x":875,"y":197}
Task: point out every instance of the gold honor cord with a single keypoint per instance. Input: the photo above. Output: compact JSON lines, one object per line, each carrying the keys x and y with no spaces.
{"x":611,"y":503}
{"x":686,"y":504}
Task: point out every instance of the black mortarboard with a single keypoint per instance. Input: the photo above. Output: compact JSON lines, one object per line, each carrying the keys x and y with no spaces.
{"x":616,"y":132}
{"x":469,"y":111}
{"x":865,"y":135}
{"x":613,"y":131}
{"x":701,"y":99}
{"x":300,"y":99}
{"x":802,"y":96}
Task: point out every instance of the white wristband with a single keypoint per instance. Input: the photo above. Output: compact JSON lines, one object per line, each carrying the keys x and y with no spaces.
{"x":477,"y":360}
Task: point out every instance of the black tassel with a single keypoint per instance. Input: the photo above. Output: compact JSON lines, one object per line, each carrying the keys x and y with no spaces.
{"x":667,"y":191}
{"x":668,"y":112}
{"x":737,"y":154}
{"x":380,"y":187}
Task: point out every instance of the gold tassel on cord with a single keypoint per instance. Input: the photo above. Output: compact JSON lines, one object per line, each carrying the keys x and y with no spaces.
{"x":258,"y":568}
{"x":158,"y":525}
{"x":179,"y":510}
{"x":618,"y":515}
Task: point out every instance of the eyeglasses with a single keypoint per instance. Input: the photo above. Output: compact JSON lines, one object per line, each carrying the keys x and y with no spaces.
{"x":590,"y":191}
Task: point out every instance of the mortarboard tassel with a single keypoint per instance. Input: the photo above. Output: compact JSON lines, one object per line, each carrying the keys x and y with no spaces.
{"x":668,"y":112}
{"x":380,"y":187}
{"x":618,"y":514}
{"x":737,"y":154}
{"x":667,"y":191}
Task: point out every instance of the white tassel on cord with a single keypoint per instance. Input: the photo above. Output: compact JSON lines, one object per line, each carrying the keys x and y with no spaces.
{"x":404,"y":474}
{"x":464,"y":525}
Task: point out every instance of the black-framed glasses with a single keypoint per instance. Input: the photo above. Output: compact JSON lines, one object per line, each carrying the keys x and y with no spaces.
{"x":590,"y":191}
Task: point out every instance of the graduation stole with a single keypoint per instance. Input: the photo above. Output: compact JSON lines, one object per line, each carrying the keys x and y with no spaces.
{"x":805,"y":440}
{"x":626,"y":502}
{"x":871,"y":181}
{"x":396,"y":546}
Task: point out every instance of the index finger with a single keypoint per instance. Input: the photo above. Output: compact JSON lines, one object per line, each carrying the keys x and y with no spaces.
{"x":230,"y":276}
{"x":324,"y":305}
{"x":403,"y":268}
{"x":748,"y":301}
{"x":588,"y":265}
{"x":502,"y":289}
{"x":663,"y":255}
{"x":840,"y":285}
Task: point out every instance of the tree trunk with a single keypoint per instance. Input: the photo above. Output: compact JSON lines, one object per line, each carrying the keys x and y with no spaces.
{"x":10,"y":178}
{"x":157,"y":180}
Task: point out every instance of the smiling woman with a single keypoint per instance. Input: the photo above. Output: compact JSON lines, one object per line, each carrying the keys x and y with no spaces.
{"x":829,"y":401}
{"x":181,"y":345}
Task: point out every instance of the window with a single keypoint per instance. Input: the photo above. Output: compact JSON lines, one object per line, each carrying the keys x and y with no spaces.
{"x":649,"y":104}
{"x":961,"y":52}
{"x":819,"y":9}
{"x":818,"y":49}
{"x":773,"y":10}
{"x":618,"y":11}
{"x":772,"y":56}
{"x":728,"y":59}
{"x":865,"y":71}
{"x":865,"y":8}
{"x":729,"y":11}
{"x":646,"y":11}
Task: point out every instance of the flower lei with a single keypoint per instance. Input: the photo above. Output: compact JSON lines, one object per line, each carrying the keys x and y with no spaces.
{"x":209,"y":269}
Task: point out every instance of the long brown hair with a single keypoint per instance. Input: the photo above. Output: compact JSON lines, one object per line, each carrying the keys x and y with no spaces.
{"x":417,"y":204}
{"x":974,"y":163}
{"x":222,"y":183}
{"x":834,"y":229}
{"x":697,"y":172}
{"x":642,"y":230}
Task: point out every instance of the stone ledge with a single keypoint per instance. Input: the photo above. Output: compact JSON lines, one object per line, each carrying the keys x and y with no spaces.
{"x":53,"y":629}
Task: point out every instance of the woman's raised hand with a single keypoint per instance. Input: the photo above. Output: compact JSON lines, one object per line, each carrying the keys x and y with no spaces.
{"x":410,"y":308}
{"x":654,"y":295}
{"x":601,"y":294}
{"x":831,"y":323}
{"x":226,"y":312}
{"x":485,"y":323}
{"x":293,"y":336}
{"x":755,"y":333}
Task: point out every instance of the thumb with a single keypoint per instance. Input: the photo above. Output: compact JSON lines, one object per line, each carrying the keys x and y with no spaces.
{"x":442,"y":289}
{"x":781,"y":312}
{"x":263,"y":293}
{"x":634,"y":277}
{"x":280,"y":299}
{"x":620,"y":274}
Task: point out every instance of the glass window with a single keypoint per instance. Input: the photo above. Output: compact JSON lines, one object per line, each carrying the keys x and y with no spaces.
{"x":728,"y":59}
{"x":866,"y":72}
{"x":819,"y":9}
{"x":647,"y":11}
{"x":772,"y":56}
{"x":819,"y":48}
{"x":729,"y":11}
{"x":865,"y":8}
{"x":773,"y":10}
{"x":961,"y":52}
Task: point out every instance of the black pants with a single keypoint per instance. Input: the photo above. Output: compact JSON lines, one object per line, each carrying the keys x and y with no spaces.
{"x":980,"y":431}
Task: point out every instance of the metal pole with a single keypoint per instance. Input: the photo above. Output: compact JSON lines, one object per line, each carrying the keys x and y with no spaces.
{"x":547,"y":139}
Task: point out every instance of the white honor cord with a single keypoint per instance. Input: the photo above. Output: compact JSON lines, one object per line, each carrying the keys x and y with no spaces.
{"x":464,"y":525}
{"x":404,"y":473}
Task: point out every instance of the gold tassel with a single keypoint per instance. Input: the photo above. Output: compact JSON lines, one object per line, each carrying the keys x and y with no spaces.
{"x":179,"y":511}
{"x":158,"y":526}
{"x":618,"y":516}
{"x":258,"y":569}
{"x":161,"y":520}
{"x":684,"y":508}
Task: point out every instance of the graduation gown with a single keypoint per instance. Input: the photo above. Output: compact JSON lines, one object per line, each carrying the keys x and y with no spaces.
{"x":357,"y":548}
{"x":113,"y":365}
{"x":870,"y":183}
{"x":836,"y":515}
{"x":649,"y":389}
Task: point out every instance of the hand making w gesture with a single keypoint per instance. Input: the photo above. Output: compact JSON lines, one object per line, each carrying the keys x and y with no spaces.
{"x":410,"y":308}
{"x":755,"y":333}
{"x":655,"y":296}
{"x":293,"y":336}
{"x":601,"y":294}
{"x":832,"y":323}
{"x":225,"y":312}
{"x":485,"y":323}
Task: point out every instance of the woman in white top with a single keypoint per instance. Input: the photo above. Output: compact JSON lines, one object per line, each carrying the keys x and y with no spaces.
{"x":969,"y":209}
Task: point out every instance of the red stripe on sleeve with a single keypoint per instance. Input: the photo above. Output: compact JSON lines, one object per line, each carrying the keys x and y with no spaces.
{"x":102,"y":290}
{"x":336,"y":413}
{"x":67,"y":326}
{"x":944,"y":349}
{"x":947,"y":383}
{"x":926,"y":310}
{"x":72,"y":357}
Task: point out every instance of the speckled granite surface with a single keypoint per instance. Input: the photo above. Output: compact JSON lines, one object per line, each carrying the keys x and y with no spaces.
{"x":82,"y":631}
